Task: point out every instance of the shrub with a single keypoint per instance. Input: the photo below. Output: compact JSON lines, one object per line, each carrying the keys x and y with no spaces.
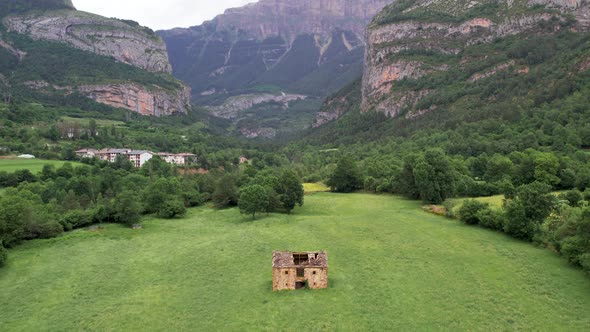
{"x":50,"y":229}
{"x":3,"y":255}
{"x":76,"y":219}
{"x":491,"y":219}
{"x":171,"y":208}
{"x":573,"y":197}
{"x":468,"y":213}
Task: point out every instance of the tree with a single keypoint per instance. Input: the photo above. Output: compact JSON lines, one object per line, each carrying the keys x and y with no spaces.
{"x":226,"y":192}
{"x":469,"y":211}
{"x":172,"y":207}
{"x":290,"y":190}
{"x":435,"y":177}
{"x":253,"y":199}
{"x":3,"y":254}
{"x":346,"y":177}
{"x":528,"y":210}
{"x":127,"y":208}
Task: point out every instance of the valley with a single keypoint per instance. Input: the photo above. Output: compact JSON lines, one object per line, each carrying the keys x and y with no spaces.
{"x":391,"y":266}
{"x":438,"y":151}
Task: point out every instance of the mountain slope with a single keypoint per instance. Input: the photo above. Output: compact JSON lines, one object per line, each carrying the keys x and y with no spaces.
{"x":54,"y":50}
{"x":425,"y":55}
{"x":306,"y":47}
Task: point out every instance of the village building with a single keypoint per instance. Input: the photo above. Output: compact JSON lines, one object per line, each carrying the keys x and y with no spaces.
{"x":86,"y":153}
{"x":139,"y":157}
{"x":297,"y":270}
{"x":243,"y":160}
{"x":180,"y":159}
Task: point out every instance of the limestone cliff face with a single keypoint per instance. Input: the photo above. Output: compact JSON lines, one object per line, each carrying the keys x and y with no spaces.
{"x":398,"y":32}
{"x":290,"y":18}
{"x":136,"y":98}
{"x":284,"y":43}
{"x":123,"y":41}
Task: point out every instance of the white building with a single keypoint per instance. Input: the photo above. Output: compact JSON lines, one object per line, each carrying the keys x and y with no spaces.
{"x":139,"y":157}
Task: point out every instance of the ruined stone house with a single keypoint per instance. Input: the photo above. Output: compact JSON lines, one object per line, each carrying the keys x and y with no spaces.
{"x":297,"y":270}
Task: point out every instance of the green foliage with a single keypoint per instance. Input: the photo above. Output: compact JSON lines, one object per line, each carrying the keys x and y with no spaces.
{"x":528,"y":210}
{"x":127,"y":208}
{"x":171,"y":208}
{"x":469,"y":212}
{"x":3,"y":254}
{"x":289,"y":190}
{"x":253,"y":199}
{"x":226,"y":192}
{"x":573,"y":197}
{"x":346,"y":177}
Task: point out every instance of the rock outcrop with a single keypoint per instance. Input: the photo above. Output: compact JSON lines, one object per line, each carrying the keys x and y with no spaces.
{"x":273,"y":42}
{"x":123,"y":40}
{"x":233,"y":106}
{"x":398,"y":33}
{"x":151,"y":102}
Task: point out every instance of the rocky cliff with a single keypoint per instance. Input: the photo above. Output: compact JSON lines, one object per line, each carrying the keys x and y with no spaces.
{"x":114,"y":62}
{"x":273,"y":42}
{"x":139,"y":99}
{"x":311,"y":48}
{"x":410,"y":43}
{"x":122,"y":40}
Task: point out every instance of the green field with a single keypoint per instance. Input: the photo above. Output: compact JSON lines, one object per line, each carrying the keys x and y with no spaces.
{"x":99,"y":122}
{"x":392,"y":267}
{"x":33,"y":165}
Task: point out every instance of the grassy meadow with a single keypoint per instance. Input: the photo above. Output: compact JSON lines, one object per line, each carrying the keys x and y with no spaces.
{"x":392,"y":267}
{"x":33,"y":165}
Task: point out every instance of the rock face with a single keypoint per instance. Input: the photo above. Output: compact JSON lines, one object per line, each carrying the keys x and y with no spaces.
{"x":402,"y":32}
{"x":136,"y":98}
{"x":235,"y":105}
{"x":274,"y":42}
{"x":123,"y":41}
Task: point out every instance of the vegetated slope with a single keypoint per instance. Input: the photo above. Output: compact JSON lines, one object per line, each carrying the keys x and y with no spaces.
{"x":492,"y":56}
{"x":62,"y":53}
{"x":302,"y":47}
{"x":426,"y":55}
{"x":391,"y":266}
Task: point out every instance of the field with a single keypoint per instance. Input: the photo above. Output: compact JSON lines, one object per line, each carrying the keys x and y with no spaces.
{"x":99,"y":122}
{"x":33,"y":165}
{"x":392,"y":267}
{"x":311,"y":188}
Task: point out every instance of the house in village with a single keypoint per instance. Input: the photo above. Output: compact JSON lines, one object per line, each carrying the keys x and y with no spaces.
{"x":137,"y":157}
{"x":297,"y":270}
{"x":180,"y":159}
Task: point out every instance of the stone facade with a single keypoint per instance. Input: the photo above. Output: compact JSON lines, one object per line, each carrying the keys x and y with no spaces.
{"x":299,"y":270}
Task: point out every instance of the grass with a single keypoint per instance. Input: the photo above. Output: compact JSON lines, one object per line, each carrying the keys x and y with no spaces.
{"x":99,"y":122}
{"x":33,"y":165}
{"x":495,"y":202}
{"x":392,"y":267}
{"x":311,"y":188}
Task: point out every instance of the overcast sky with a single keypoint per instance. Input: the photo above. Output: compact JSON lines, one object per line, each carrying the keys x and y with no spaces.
{"x":160,"y":14}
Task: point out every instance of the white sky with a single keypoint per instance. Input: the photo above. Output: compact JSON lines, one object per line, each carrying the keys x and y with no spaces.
{"x":160,"y":14}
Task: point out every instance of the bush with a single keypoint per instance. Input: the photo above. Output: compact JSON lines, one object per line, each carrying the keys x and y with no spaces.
{"x":172,"y":208}
{"x":573,"y":197}
{"x":491,"y":219}
{"x":75,"y":219}
{"x":3,"y":255}
{"x":50,"y":230}
{"x":469,"y":212}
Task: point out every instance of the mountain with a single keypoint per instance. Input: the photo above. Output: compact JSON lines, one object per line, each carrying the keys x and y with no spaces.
{"x":54,"y":49}
{"x":291,"y":52}
{"x":424,"y":56}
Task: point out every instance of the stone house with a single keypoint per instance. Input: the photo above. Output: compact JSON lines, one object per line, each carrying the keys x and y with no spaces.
{"x":297,"y":270}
